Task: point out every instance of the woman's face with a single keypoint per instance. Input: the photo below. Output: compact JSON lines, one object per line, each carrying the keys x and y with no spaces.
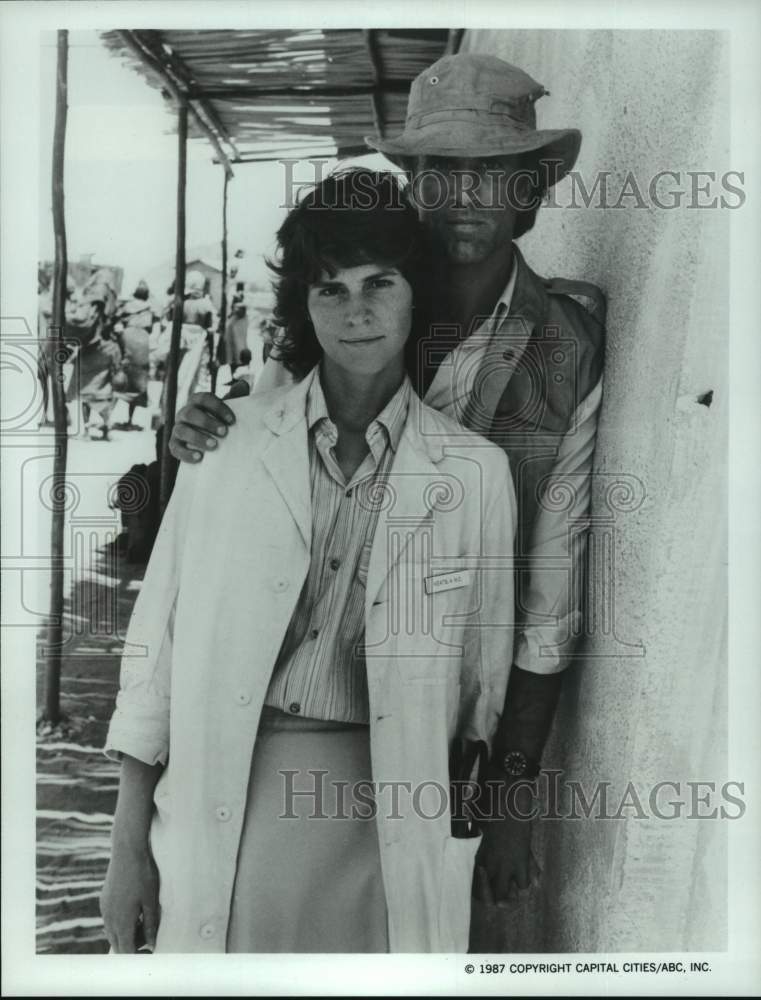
{"x":362,"y":316}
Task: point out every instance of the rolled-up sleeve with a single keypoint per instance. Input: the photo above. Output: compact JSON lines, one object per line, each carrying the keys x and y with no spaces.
{"x":139,"y":725}
{"x":551,"y":619}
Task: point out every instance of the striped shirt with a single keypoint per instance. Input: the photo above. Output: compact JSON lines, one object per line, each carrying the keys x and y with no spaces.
{"x":320,"y":671}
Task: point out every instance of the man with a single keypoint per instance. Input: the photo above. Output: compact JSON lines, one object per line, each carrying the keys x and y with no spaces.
{"x":513,"y":357}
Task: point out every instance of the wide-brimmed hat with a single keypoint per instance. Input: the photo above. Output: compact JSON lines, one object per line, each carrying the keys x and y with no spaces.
{"x":470,"y":105}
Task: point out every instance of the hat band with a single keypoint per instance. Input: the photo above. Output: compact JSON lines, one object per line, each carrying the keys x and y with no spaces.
{"x":470,"y":114}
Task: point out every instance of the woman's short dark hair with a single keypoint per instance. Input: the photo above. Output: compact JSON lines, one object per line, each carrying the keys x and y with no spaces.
{"x":354,"y":216}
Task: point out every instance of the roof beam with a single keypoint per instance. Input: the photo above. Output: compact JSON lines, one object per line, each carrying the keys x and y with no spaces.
{"x":306,"y":154}
{"x":153,"y":41}
{"x":152,"y":62}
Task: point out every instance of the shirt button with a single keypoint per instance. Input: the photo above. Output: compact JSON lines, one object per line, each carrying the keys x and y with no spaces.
{"x":335,"y":563}
{"x":348,"y":493}
{"x":222,"y":814}
{"x":314,"y":633}
{"x":207,"y":931}
{"x":279,"y":584}
{"x":243,"y":698}
{"x":294,"y":707}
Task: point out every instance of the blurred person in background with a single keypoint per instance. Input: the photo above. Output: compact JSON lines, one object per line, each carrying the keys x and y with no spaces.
{"x":197,"y":349}
{"x":236,"y":330}
{"x":98,"y":360}
{"x":135,"y":322}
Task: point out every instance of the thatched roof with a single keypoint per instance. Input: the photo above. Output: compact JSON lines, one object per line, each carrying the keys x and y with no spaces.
{"x":263,"y":95}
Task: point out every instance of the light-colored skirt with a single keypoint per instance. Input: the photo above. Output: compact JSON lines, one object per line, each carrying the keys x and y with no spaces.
{"x":308,"y":877}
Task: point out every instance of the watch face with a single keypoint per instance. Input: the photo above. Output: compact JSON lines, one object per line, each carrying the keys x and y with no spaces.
{"x":515,"y":763}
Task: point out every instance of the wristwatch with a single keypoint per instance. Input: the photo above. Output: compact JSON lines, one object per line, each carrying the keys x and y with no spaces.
{"x":516,"y":764}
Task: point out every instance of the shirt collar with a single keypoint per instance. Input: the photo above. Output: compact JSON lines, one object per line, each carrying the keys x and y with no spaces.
{"x":502,"y":307}
{"x":392,"y":417}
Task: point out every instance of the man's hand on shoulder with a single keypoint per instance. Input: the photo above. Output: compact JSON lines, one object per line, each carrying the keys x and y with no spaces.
{"x":199,"y":426}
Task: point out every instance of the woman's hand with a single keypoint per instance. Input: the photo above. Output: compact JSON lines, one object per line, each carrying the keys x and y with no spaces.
{"x":198,"y":425}
{"x":130,"y":897}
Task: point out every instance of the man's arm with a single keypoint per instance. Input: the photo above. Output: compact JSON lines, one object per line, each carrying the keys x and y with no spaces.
{"x":546,"y":634}
{"x":551,"y":618}
{"x":205,"y":419}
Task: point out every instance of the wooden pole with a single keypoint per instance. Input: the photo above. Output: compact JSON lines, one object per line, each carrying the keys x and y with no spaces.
{"x":375,"y":61}
{"x":223,"y":297}
{"x":56,"y":353}
{"x":172,"y":366}
{"x":454,"y":41}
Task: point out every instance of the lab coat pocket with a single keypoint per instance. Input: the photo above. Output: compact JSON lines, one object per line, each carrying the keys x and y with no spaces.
{"x":429,"y":633}
{"x":456,"y":885}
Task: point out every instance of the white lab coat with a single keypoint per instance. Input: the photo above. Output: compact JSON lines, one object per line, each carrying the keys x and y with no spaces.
{"x":228,"y":565}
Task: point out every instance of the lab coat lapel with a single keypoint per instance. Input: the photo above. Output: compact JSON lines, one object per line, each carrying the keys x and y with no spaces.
{"x":286,"y":457}
{"x":407,"y":501}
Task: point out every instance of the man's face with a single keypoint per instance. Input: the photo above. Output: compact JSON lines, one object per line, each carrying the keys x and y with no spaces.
{"x":469,"y":204}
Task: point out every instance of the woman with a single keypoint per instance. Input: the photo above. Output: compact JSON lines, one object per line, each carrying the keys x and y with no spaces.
{"x":305,"y":666}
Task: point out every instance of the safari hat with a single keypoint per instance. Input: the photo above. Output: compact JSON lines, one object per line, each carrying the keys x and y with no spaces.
{"x":477,"y":105}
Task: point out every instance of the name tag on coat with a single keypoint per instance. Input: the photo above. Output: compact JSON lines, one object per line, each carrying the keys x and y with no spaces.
{"x":436,"y":583}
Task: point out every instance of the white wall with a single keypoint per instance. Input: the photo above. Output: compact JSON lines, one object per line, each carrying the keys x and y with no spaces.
{"x":645,"y":101}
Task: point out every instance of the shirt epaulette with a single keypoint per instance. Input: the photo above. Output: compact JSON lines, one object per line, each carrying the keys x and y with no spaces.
{"x":592,"y":296}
